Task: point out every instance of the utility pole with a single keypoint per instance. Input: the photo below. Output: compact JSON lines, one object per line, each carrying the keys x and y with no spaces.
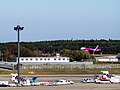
{"x":18,"y":29}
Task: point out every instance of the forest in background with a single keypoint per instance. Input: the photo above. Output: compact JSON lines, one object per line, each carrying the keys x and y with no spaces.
{"x":70,"y":48}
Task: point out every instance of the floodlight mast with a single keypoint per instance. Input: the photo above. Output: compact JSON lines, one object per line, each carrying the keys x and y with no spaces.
{"x":18,"y":29}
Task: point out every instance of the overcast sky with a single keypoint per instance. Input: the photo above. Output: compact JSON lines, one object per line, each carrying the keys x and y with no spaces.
{"x":59,"y":19}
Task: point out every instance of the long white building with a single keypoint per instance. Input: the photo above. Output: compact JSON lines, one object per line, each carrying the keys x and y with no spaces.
{"x":107,"y":59}
{"x":56,"y":58}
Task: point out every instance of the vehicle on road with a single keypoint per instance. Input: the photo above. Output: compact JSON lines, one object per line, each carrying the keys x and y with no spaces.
{"x":87,"y":80}
{"x":60,"y":82}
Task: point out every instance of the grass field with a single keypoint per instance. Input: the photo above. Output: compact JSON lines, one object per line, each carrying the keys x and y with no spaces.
{"x":90,"y":71}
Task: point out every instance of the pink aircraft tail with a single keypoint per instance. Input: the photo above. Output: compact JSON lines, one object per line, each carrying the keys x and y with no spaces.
{"x":96,"y":49}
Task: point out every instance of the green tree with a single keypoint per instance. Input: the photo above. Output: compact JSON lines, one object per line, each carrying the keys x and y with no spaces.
{"x":75,"y":55}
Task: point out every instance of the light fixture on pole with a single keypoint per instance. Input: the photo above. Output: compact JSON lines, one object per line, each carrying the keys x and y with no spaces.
{"x":18,"y":29}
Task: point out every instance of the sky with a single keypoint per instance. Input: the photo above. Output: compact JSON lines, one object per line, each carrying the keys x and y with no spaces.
{"x":45,"y":20}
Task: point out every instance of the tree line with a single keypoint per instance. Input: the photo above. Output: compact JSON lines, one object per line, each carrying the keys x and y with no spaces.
{"x":69,"y":48}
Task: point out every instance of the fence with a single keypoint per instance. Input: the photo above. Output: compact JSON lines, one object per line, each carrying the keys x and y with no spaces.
{"x":49,"y":66}
{"x":4,"y":65}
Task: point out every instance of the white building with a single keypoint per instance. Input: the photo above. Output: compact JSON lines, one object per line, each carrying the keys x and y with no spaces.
{"x":56,"y":58}
{"x":107,"y":59}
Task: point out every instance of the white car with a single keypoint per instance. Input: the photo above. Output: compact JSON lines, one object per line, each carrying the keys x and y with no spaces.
{"x":87,"y":80}
{"x":60,"y":82}
{"x":64,"y":82}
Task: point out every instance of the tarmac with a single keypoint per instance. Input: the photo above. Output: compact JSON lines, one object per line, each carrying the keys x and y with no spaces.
{"x":76,"y":86}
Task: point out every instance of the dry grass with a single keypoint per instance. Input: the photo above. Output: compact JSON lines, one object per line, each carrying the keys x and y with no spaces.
{"x":86,"y":71}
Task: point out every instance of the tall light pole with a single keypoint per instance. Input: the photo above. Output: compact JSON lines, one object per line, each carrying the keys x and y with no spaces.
{"x":18,"y":29}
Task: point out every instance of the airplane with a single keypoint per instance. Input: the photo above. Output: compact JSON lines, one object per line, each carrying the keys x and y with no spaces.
{"x":91,"y":49}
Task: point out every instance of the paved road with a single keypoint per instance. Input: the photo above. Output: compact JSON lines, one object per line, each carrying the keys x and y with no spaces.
{"x":75,"y":77}
{"x":76,"y":86}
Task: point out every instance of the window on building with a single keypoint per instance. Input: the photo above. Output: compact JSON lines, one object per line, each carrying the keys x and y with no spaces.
{"x":31,"y":59}
{"x":40,"y":58}
{"x":36,"y":59}
{"x":26,"y":59}
{"x":63,"y":58}
{"x":22,"y":59}
{"x":54,"y":58}
{"x":59,"y":59}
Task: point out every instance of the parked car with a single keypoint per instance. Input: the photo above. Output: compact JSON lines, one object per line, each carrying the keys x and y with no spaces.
{"x":60,"y":82}
{"x":87,"y":80}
